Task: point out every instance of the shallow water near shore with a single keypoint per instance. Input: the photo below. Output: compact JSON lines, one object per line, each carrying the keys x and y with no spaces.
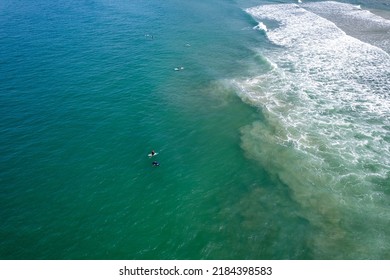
{"x":273,"y":135}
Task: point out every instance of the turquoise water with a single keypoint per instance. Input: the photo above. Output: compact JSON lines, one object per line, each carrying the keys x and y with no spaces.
{"x":272,"y":145}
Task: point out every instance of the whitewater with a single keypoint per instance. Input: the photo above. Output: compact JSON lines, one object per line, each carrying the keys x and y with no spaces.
{"x":326,"y":130}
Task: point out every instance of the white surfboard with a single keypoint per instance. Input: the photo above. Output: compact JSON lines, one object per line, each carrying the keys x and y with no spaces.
{"x":150,"y":155}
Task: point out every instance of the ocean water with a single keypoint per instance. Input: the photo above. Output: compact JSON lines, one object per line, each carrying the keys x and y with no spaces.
{"x":273,"y":134}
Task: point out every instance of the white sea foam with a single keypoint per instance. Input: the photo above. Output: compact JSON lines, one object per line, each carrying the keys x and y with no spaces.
{"x":261,"y":26}
{"x":327,"y":128}
{"x":345,"y":10}
{"x":356,"y":21}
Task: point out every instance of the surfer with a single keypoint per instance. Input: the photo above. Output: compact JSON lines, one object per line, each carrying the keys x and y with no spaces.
{"x":153,"y":153}
{"x":155,"y":163}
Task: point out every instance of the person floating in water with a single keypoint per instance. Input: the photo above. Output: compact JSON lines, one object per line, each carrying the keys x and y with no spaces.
{"x":153,"y":153}
{"x":155,"y":163}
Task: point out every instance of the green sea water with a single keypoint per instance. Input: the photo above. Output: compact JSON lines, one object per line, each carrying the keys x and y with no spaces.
{"x":254,"y":164}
